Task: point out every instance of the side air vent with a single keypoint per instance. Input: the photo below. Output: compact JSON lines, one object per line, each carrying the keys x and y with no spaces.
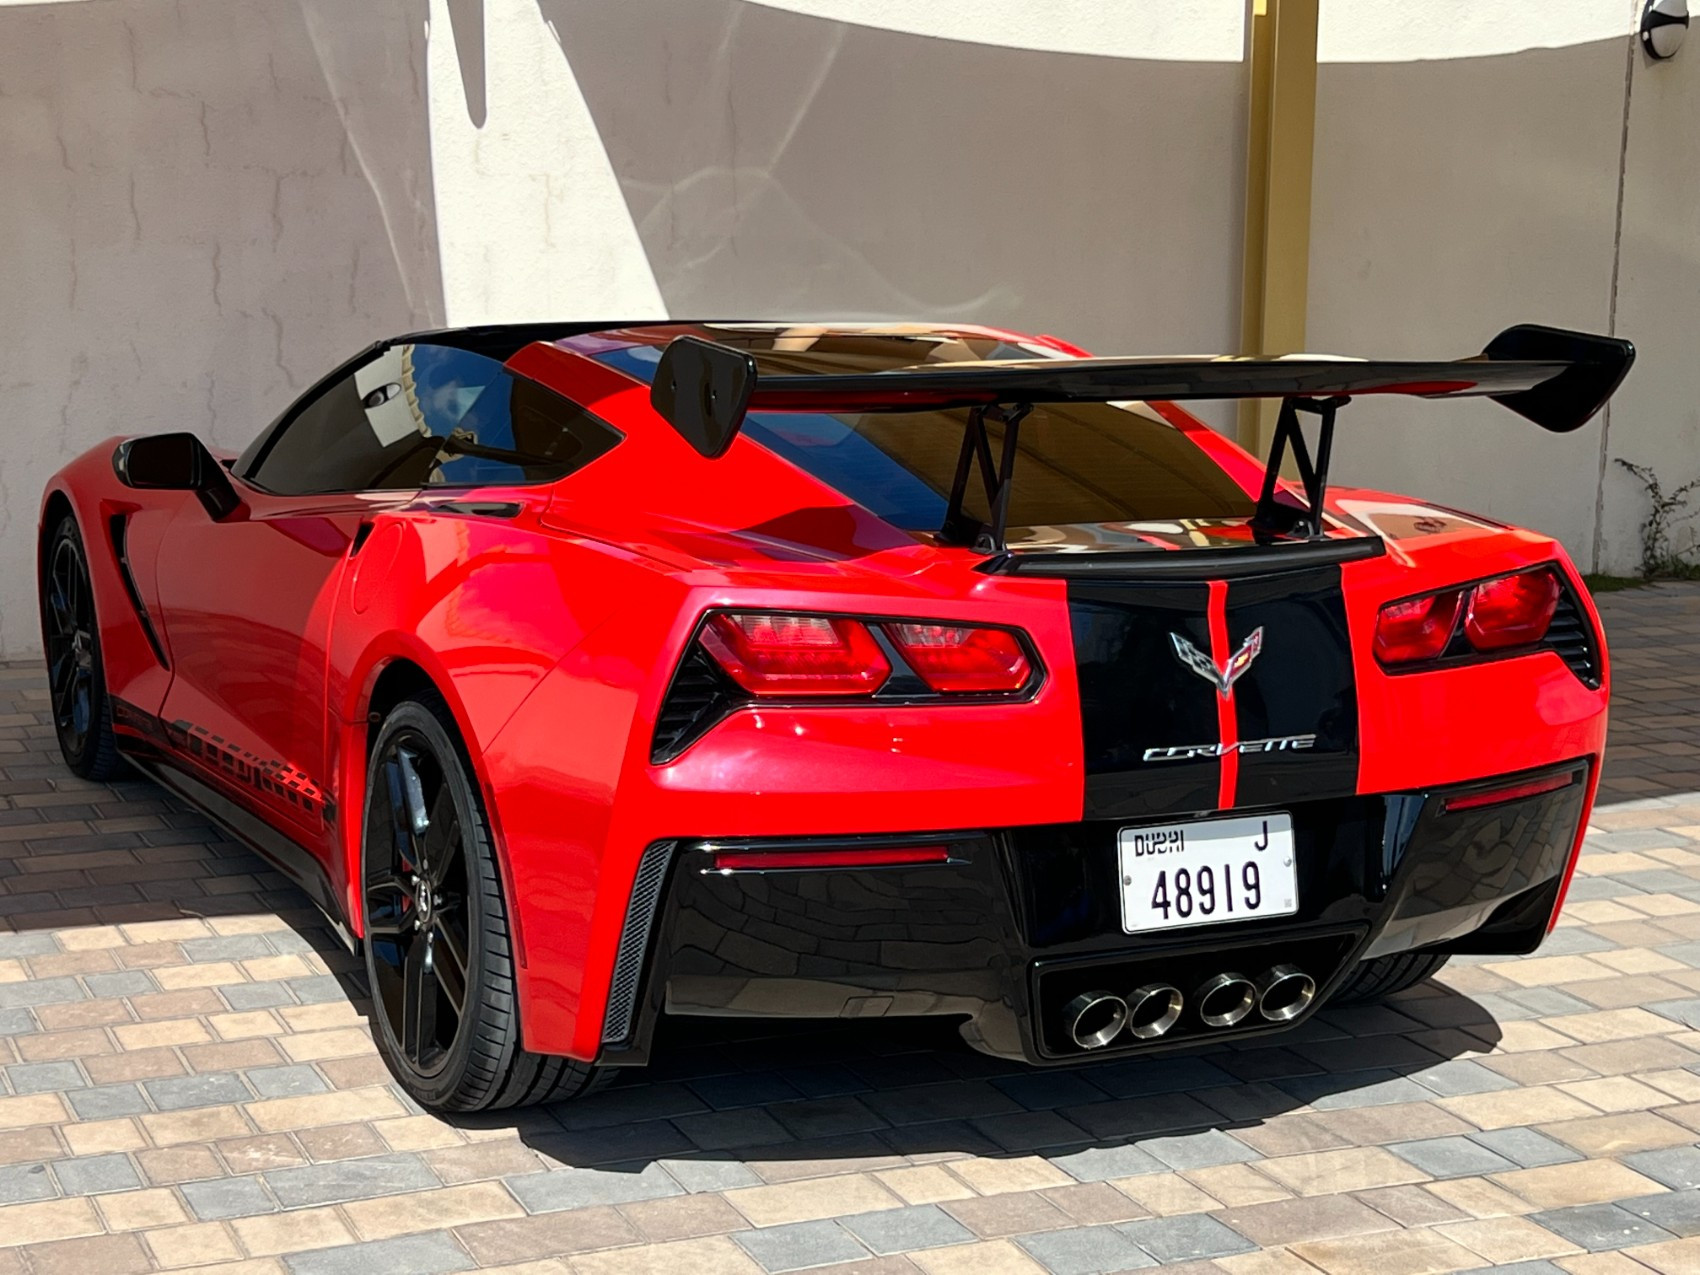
{"x":119,"y":528}
{"x":699,"y":696}
{"x":1572,"y":638}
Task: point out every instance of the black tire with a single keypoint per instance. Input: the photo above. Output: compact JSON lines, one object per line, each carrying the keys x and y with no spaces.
{"x":1382,"y":977}
{"x":437,"y":924}
{"x":76,"y":677}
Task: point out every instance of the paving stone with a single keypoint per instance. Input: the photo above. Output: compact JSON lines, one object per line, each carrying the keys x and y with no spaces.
{"x":341,"y":1180}
{"x":1086,"y":1250}
{"x":248,"y":996}
{"x":1453,"y":1157}
{"x":1179,"y":1239}
{"x":221,"y":1198}
{"x":285,"y":1082}
{"x":1203,"y":1150}
{"x":1676,"y":1211}
{"x":1099,"y":1164}
{"x":560,"y":1189}
{"x":93,"y":1174}
{"x":103,"y":1102}
{"x":710,"y":1175}
{"x":1598,"y":1227}
{"x":1460,"y":1076}
{"x":1526,"y":1148}
{"x":40,"y":991}
{"x":20,"y":1183}
{"x":48,"y":1077}
{"x":181,"y":1092}
{"x":800,"y":1245}
{"x":1675,"y":1167}
{"x":1686,"y":1012}
{"x":435,"y":1254}
{"x":1540,"y":1267}
{"x":120,"y":983}
{"x":1334,"y":1092}
{"x":903,"y":1230}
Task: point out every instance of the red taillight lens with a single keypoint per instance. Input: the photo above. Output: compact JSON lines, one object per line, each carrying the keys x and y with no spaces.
{"x":955,"y":658}
{"x":791,"y":860}
{"x":1418,"y":629}
{"x":1519,"y":791}
{"x":1513,"y":611}
{"x":796,"y":654}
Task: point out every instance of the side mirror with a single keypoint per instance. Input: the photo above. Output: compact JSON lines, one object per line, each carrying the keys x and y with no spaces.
{"x":175,"y":462}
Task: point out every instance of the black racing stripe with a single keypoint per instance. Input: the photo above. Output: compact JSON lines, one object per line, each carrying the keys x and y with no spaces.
{"x":1135,"y":694}
{"x":1301,"y":683}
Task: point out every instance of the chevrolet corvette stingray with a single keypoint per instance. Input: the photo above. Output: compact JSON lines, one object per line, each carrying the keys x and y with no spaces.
{"x":585,"y":673}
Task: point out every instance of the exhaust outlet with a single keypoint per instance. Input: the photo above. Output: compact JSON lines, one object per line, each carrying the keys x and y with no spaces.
{"x":1284,"y":992}
{"x":1225,"y":999}
{"x":1153,"y":1009}
{"x":1094,"y":1019}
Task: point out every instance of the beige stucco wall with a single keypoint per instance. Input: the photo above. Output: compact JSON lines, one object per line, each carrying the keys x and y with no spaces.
{"x":208,"y":202}
{"x":1468,"y":177}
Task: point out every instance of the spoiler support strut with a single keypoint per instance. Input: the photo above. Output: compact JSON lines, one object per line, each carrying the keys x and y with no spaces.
{"x":1273,"y":519}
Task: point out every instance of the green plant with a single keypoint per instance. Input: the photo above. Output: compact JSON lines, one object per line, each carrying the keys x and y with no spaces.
{"x":1659,"y":557}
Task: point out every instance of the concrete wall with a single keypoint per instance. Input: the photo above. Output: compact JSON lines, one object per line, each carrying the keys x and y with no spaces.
{"x":208,"y":202}
{"x":1470,"y":160}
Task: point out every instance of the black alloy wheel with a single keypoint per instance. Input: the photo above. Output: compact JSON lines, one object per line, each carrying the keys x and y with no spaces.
{"x":82,"y":714}
{"x":439,"y":958}
{"x":416,"y":904}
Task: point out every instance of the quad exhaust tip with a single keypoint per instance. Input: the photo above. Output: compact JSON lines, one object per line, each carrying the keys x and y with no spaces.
{"x":1225,"y":999}
{"x":1094,"y":1019}
{"x":1153,"y":1009}
{"x":1284,"y":992}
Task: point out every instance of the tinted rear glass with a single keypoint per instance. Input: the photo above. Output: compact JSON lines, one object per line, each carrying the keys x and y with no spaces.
{"x":1076,"y":462}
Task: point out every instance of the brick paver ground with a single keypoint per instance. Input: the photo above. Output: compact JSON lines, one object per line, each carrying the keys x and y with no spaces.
{"x":189,"y":1083}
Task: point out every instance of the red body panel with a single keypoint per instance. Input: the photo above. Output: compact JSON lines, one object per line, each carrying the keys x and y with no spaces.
{"x":553,"y":633}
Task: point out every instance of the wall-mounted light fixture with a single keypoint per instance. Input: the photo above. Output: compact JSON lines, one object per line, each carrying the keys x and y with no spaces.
{"x":1663,"y":25}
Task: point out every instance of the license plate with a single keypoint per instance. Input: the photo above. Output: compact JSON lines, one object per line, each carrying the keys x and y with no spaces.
{"x":1180,"y":874}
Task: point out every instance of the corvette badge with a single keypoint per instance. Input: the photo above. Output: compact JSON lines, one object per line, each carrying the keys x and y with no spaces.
{"x":1222,"y":679}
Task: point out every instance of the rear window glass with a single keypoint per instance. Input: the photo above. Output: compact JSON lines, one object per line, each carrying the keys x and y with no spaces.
{"x":1076,"y":462}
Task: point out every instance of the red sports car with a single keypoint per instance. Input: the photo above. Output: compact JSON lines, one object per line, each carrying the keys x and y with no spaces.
{"x":583,"y":673}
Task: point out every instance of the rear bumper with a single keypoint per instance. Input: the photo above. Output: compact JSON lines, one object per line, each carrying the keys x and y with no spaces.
{"x":1020,"y":920}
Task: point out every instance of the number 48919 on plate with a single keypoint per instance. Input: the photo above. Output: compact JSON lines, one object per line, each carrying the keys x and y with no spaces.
{"x":1206,"y":873}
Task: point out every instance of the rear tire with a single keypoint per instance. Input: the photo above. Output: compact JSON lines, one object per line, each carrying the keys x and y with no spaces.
{"x":76,"y":677}
{"x":439,"y":957}
{"x":1380,"y":978}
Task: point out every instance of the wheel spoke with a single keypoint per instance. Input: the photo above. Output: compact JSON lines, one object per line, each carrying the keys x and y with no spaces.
{"x":419,"y":1002}
{"x":444,"y":843}
{"x":415,"y":816}
{"x":393,"y":919}
{"x":448,"y":954}
{"x":65,"y":698}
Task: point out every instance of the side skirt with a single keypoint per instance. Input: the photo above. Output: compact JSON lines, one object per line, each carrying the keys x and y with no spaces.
{"x":294,"y":861}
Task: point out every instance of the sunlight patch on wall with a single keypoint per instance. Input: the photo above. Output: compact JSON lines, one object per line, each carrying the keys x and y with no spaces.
{"x":1160,"y":30}
{"x":1434,"y":30}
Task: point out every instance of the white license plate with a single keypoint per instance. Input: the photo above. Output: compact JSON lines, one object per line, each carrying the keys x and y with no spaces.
{"x":1180,"y":874}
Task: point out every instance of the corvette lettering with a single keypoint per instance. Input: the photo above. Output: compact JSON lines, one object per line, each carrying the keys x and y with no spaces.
{"x":1192,"y":752}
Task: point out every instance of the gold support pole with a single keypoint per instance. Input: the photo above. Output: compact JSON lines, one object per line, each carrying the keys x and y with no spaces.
{"x":1281,"y":133}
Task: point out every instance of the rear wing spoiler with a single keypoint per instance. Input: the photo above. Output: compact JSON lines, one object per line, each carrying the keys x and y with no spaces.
{"x":1554,"y":377}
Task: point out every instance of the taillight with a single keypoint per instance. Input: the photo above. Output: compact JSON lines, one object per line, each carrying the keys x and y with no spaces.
{"x":1511,"y":611}
{"x":1499,"y":615}
{"x":787,"y":860}
{"x":778,"y":654}
{"x":793,"y":655}
{"x":954,"y":658}
{"x":1418,"y":629}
